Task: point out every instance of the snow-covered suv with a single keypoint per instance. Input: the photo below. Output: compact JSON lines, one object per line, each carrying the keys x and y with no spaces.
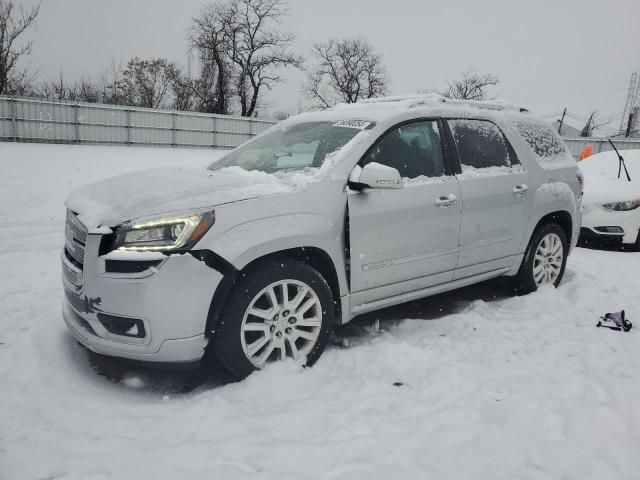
{"x":325,"y":216}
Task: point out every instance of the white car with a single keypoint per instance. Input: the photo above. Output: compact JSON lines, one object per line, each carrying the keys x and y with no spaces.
{"x":323,"y":217}
{"x":611,"y":212}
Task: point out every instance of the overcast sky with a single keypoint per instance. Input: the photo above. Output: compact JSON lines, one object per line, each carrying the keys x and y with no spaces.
{"x":548,"y":54}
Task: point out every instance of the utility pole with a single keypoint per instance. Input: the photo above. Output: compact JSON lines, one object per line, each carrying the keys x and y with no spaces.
{"x":633,"y":98}
{"x":629,"y":124}
{"x":562,"y":121}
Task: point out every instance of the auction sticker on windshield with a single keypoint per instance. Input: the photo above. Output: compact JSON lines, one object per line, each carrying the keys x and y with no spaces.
{"x":358,"y":124}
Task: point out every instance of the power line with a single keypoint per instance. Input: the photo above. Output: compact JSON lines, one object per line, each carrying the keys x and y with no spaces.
{"x":550,"y":115}
{"x":592,"y":78}
{"x":567,"y":100}
{"x":614,"y":116}
{"x":616,"y":91}
{"x":596,"y":86}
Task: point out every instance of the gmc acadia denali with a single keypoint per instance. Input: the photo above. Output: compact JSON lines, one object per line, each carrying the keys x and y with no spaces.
{"x":323,"y":217}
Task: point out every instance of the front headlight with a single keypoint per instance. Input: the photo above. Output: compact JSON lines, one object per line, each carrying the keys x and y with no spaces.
{"x":622,"y":206}
{"x":164,"y":233}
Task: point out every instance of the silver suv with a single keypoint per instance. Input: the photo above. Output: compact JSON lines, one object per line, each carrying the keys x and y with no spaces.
{"x":325,"y":216}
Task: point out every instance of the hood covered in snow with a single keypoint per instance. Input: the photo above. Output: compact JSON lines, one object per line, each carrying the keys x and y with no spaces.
{"x":601,"y":182}
{"x":160,"y":191}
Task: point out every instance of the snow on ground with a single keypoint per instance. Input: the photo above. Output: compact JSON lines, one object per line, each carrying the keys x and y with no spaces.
{"x":478,"y":384}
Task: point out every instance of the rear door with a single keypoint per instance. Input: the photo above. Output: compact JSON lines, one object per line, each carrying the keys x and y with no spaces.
{"x":494,"y":192}
{"x":405,"y":239}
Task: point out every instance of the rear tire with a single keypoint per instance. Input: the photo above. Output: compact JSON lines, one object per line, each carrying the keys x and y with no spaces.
{"x":279,"y":309}
{"x":544,"y":260}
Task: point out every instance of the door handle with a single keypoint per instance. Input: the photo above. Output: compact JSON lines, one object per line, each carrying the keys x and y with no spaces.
{"x":446,"y":200}
{"x":520,"y":189}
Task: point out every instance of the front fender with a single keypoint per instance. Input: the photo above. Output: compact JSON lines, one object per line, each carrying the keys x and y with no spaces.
{"x":249,"y":241}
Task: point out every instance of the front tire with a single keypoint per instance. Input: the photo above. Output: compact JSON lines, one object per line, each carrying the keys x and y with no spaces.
{"x":280,"y":309}
{"x":545,"y":259}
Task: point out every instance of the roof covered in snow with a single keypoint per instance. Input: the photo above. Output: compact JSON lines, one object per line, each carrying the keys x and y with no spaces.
{"x":396,"y":108}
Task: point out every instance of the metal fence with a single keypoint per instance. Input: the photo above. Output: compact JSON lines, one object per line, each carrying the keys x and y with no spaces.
{"x":48,"y":121}
{"x":577,"y":145}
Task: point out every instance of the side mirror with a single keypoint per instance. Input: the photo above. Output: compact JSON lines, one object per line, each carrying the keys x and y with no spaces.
{"x":375,"y":175}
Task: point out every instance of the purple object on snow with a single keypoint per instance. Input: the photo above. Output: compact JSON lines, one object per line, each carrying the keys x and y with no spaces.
{"x":615,"y":321}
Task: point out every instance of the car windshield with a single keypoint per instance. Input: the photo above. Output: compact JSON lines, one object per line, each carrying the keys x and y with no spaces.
{"x":294,"y":148}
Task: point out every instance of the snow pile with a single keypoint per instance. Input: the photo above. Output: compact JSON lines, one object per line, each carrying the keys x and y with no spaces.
{"x":601,"y":182}
{"x":472,"y":172}
{"x":424,"y":180}
{"x":472,"y":387}
{"x":124,"y":255}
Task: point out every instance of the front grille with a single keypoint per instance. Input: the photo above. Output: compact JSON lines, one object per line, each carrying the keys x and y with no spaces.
{"x":75,"y":239}
{"x":74,"y":277}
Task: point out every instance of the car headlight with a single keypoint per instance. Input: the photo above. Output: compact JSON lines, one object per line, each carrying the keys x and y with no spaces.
{"x":622,"y":206}
{"x":164,"y":233}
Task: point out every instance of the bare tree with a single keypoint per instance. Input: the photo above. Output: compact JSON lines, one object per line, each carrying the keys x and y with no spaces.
{"x":259,"y":49}
{"x":84,"y":90}
{"x":242,"y":50}
{"x":88,"y":90}
{"x":147,"y":82}
{"x":184,"y":91}
{"x":150,"y":83}
{"x":55,"y":89}
{"x":209,"y":37}
{"x":471,"y":86}
{"x":20,"y":82}
{"x":110,"y":82}
{"x":345,"y":71}
{"x":13,"y":23}
{"x":592,"y":124}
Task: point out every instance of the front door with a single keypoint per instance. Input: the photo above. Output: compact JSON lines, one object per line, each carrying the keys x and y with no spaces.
{"x":405,"y":239}
{"x":494,"y":191}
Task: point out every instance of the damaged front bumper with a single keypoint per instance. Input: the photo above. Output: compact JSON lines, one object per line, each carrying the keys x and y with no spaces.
{"x":156,"y":314}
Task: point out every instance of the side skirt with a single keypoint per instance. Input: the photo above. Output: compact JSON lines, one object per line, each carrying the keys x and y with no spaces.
{"x":356,"y":310}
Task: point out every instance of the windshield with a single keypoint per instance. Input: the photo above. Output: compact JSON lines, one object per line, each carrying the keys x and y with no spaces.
{"x":298,"y":147}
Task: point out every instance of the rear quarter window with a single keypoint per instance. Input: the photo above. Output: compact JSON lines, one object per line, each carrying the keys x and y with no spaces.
{"x":546,"y":145}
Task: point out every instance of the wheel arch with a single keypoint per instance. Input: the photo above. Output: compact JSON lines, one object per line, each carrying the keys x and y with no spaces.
{"x":312,"y":256}
{"x":562,"y":218}
{"x":522,"y":282}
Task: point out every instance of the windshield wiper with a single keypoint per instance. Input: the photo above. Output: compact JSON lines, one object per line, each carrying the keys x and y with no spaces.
{"x":621,"y":163}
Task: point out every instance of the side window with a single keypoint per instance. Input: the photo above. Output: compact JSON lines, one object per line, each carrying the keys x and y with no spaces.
{"x":480,"y":144}
{"x":414,"y":149}
{"x":546,"y":144}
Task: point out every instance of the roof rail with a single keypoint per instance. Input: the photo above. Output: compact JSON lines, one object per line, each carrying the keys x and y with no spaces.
{"x":430,"y":99}
{"x":426,"y":97}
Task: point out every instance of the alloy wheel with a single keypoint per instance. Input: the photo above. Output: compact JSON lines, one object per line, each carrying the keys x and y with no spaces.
{"x":547,"y":261}
{"x":282,"y":320}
